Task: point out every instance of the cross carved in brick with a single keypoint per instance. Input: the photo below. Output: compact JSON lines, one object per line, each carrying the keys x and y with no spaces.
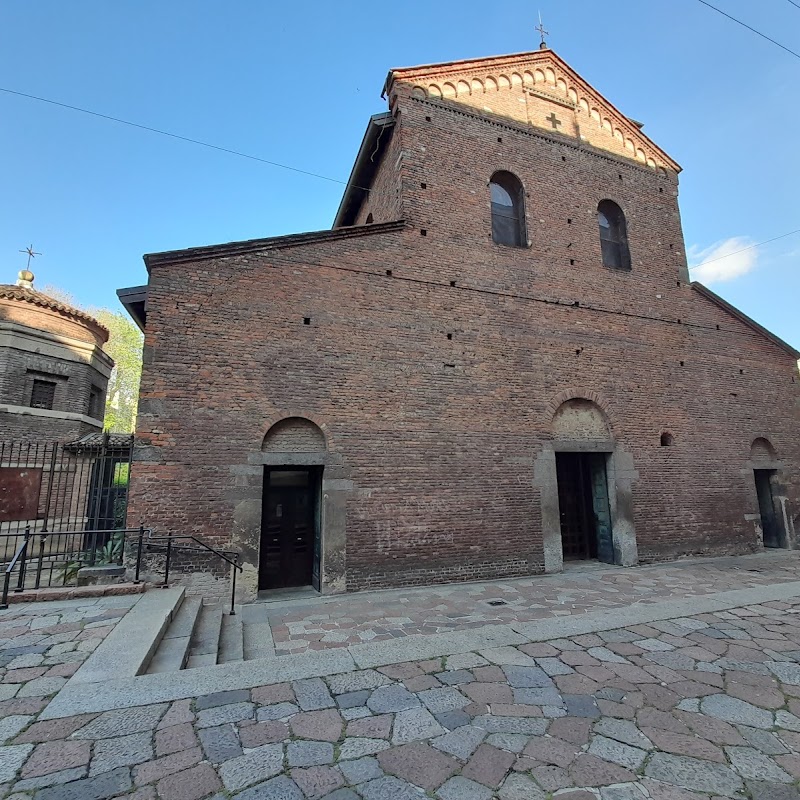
{"x":554,"y":120}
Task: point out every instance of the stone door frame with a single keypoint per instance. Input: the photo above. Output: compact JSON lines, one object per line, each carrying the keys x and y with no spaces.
{"x":620,"y":475}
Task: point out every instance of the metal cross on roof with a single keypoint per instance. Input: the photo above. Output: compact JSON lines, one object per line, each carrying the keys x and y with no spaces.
{"x":542,"y":33}
{"x":31,"y":253}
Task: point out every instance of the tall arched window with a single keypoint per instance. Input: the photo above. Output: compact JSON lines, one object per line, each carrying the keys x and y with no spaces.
{"x":613,"y":235}
{"x":508,"y":215}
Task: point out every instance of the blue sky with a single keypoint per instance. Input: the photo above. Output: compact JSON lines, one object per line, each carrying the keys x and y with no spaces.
{"x":296,"y":84}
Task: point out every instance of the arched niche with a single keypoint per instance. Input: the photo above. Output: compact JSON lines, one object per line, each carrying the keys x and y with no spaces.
{"x":762,"y":451}
{"x":294,"y":435}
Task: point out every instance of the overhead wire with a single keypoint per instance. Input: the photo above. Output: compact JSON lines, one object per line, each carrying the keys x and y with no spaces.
{"x":749,"y":247}
{"x":750,"y":27}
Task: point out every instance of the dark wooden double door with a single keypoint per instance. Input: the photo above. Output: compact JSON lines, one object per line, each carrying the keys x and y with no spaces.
{"x":290,"y":530}
{"x":583,"y":506}
{"x":771,"y":523}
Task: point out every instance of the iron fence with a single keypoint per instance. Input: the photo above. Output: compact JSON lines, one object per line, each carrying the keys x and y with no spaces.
{"x":62,"y":504}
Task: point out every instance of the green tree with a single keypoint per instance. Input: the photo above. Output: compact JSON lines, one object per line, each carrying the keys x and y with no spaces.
{"x":124,"y":345}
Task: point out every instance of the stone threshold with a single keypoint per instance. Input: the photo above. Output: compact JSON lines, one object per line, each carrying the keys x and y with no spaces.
{"x":108,"y":691}
{"x":74,"y":592}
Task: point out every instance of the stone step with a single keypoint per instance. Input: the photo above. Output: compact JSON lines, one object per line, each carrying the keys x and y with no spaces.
{"x":231,"y":640}
{"x":256,"y":632}
{"x":205,"y":642}
{"x":173,"y":649}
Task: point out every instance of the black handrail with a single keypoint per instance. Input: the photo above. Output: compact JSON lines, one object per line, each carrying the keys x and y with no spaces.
{"x":230,"y":556}
{"x":21,"y":553}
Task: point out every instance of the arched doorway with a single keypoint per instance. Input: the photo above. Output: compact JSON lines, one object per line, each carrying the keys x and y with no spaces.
{"x":768,"y":491}
{"x":581,"y":474}
{"x":291,"y":528}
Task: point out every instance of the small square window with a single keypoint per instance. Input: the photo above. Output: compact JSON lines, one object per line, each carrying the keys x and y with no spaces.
{"x":43,"y":394}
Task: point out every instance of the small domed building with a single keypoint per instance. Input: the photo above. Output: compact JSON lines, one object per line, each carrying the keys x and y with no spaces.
{"x":53,"y":370}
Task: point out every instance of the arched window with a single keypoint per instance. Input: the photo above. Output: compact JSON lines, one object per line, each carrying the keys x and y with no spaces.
{"x":613,"y":235}
{"x":508,"y":216}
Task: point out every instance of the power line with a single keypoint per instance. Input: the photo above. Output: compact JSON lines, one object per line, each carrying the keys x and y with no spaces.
{"x":745,"y":25}
{"x":750,"y":247}
{"x":796,"y":5}
{"x":177,"y":136}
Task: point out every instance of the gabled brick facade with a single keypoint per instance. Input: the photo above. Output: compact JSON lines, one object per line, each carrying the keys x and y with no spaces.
{"x":432,"y":377}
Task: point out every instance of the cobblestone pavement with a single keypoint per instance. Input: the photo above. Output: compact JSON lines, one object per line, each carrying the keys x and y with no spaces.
{"x":696,"y":707}
{"x":376,"y":616}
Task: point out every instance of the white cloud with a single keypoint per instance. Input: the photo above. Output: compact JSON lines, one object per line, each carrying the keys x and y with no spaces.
{"x":723,"y":261}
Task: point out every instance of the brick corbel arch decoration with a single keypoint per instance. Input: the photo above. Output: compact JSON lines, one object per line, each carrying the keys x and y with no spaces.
{"x":584,"y":394}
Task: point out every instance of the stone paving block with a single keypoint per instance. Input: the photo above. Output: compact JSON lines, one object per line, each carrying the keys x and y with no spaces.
{"x":619,"y":753}
{"x":686,"y":745}
{"x":11,"y":725}
{"x":623,"y":791}
{"x":220,"y":715}
{"x":527,"y":677}
{"x":174,"y":739}
{"x":358,"y":747}
{"x":257,"y":765}
{"x":191,"y":784}
{"x":605,"y":655}
{"x":623,"y":731}
{"x":526,"y":725}
{"x":353,"y":699}
{"x":752,"y":764}
{"x":361,"y":770}
{"x":316,"y":782}
{"x":764,"y":741}
{"x":554,"y":666}
{"x":481,"y":692}
{"x":357,"y":681}
{"x":342,"y":794}
{"x":488,"y":766}
{"x":51,"y":757}
{"x":51,"y":779}
{"x":416,"y":723}
{"x":309,"y":754}
{"x":787,"y":721}
{"x":443,"y":699}
{"x":581,"y":705}
{"x":762,"y":790}
{"x":102,"y":787}
{"x":121,"y":722}
{"x":222,"y":699}
{"x":220,"y":743}
{"x":274,"y":693}
{"x":276,"y":712}
{"x":312,"y":694}
{"x":538,"y":697}
{"x":513,"y":742}
{"x":280,"y":788}
{"x":460,"y":788}
{"x":550,"y":750}
{"x":694,"y":774}
{"x":419,"y":764}
{"x":455,"y":677}
{"x":175,"y":762}
{"x":785,"y":671}
{"x":588,"y":770}
{"x":390,"y":787}
{"x":179,"y":713}
{"x":122,"y":751}
{"x":453,"y":719}
{"x":325,"y":725}
{"x":355,"y":713}
{"x":463,"y":661}
{"x":507,"y":655}
{"x":254,"y":735}
{"x":11,"y":759}
{"x":520,"y":787}
{"x":371,"y":727}
{"x":390,"y":699}
{"x":738,"y":712}
{"x":461,"y":742}
{"x":42,"y":687}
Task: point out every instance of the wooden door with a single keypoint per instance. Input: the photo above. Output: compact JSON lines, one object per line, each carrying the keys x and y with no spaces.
{"x":770,"y":522}
{"x":601,"y":509}
{"x":287,"y":529}
{"x":574,"y":504}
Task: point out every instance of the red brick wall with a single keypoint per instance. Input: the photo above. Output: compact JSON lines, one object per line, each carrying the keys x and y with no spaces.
{"x":439,"y":435}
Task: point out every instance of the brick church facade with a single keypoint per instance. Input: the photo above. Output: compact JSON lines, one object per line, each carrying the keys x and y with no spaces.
{"x":494,"y":362}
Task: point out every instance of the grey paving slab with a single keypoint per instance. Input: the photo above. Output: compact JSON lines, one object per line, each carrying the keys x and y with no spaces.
{"x":752,"y":764}
{"x":121,"y":751}
{"x":694,"y":774}
{"x":462,"y":742}
{"x":220,"y":743}
{"x":459,"y":788}
{"x":388,"y":787}
{"x":257,"y":765}
{"x":361,"y":770}
{"x":312,"y":694}
{"x":309,"y":754}
{"x":280,"y":788}
{"x":414,"y":724}
{"x":121,"y":722}
{"x":12,"y":758}
{"x":109,"y":784}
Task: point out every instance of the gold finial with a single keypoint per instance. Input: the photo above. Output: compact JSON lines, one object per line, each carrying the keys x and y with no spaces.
{"x":25,"y":276}
{"x":542,"y":33}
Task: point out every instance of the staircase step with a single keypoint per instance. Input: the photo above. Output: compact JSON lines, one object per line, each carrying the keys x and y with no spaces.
{"x":205,"y":642}
{"x":173,"y":650}
{"x":231,"y":640}
{"x":256,"y":632}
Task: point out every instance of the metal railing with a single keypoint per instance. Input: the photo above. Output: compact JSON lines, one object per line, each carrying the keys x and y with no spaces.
{"x":57,"y":556}
{"x":154,"y":544}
